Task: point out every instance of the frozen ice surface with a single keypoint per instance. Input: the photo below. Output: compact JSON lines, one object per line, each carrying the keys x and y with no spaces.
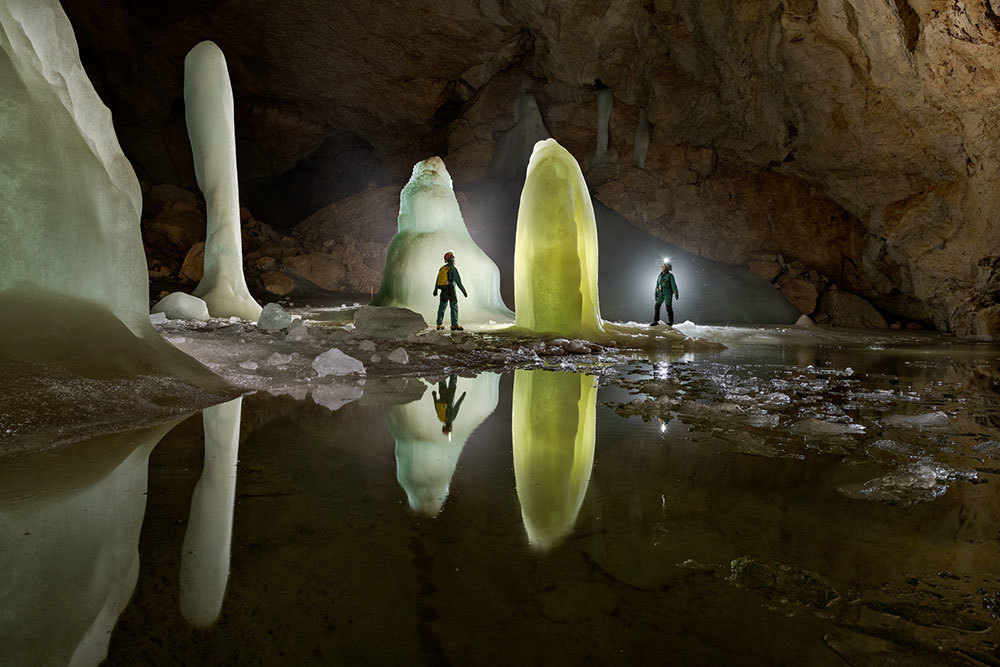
{"x":388,"y":322}
{"x":398,"y":356}
{"x":208,"y":109}
{"x":205,"y":552}
{"x":181,"y":306}
{"x":273,"y":317}
{"x":936,"y":419}
{"x":431,"y":224}
{"x":278,"y":359}
{"x":158,"y":318}
{"x":553,"y":434}
{"x":426,"y":455}
{"x":336,"y":396}
{"x":335,"y":362}
{"x":555,"y":249}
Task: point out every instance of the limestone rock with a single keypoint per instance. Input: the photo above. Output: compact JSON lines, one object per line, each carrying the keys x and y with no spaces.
{"x":765,"y":269}
{"x":850,"y":311}
{"x":317,"y":267}
{"x":387,"y":322}
{"x":193,"y":267}
{"x":277,"y":282}
{"x":800,"y":293}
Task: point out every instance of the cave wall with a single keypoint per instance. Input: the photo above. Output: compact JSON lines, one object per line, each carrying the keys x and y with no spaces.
{"x":851,"y":138}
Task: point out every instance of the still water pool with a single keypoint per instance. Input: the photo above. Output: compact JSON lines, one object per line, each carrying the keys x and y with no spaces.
{"x":771,"y":504}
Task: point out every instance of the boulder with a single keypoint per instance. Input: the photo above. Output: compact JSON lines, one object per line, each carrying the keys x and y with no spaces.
{"x":193,"y":267}
{"x":317,"y":267}
{"x":800,"y":293}
{"x":387,"y":322}
{"x":850,"y":311}
{"x":765,"y":269}
{"x":277,"y":282}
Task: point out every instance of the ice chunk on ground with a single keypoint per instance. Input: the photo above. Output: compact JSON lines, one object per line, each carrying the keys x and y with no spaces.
{"x":208,"y":109}
{"x":388,"y":322}
{"x":367,"y":346}
{"x":297,"y":331}
{"x":936,"y":419}
{"x":431,"y":224}
{"x":273,"y":317}
{"x":822,"y":428}
{"x":804,"y":322}
{"x":278,"y":359}
{"x":335,"y":362}
{"x":334,"y":397}
{"x":782,"y":583}
{"x":181,"y":306}
{"x":248,"y":365}
{"x":555,"y":249}
{"x":990,"y":448}
{"x":158,"y":318}
{"x":911,"y":484}
{"x":398,"y":356}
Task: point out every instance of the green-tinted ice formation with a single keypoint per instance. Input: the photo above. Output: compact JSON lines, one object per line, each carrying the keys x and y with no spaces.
{"x":431,"y":224}
{"x":426,"y":455}
{"x":553,"y":430}
{"x":555,"y":252}
{"x":208,"y":106}
{"x":73,"y":281}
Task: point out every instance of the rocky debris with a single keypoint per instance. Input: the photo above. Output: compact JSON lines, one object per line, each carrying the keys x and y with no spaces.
{"x":317,"y":267}
{"x":387,"y":322}
{"x":277,"y":282}
{"x":398,"y":356}
{"x":936,"y":419}
{"x":850,"y":311}
{"x":912,"y":484}
{"x":273,"y":318}
{"x":800,"y":293}
{"x":193,"y":266}
{"x":335,"y":362}
{"x":782,"y":583}
{"x":181,"y":306}
{"x":766,"y":269}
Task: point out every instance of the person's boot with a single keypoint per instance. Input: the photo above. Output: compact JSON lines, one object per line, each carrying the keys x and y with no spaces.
{"x":456,"y":327}
{"x":654,"y":323}
{"x":440,"y":327}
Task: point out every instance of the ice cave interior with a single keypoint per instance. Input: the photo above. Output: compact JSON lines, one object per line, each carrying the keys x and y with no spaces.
{"x":499,"y":332}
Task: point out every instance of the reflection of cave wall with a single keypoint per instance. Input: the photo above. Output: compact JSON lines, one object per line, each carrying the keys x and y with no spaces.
{"x":851,"y":137}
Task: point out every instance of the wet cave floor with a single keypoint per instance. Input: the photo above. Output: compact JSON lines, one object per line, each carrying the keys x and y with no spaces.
{"x":798,"y":498}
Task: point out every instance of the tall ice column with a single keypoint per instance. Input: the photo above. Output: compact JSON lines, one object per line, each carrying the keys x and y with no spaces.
{"x":208,"y":108}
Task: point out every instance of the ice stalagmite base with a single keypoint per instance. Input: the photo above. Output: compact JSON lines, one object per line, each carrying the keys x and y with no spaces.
{"x":431,"y":224}
{"x":208,"y":108}
{"x":425,"y":456}
{"x":73,"y":281}
{"x":555,"y":251}
{"x":553,"y":432}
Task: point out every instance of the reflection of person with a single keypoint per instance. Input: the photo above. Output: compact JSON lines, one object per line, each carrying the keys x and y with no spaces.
{"x":444,"y":403}
{"x":666,"y":290}
{"x":447,"y":279}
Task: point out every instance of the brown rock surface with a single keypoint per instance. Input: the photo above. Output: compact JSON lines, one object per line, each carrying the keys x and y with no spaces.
{"x":193,"y":268}
{"x":318,"y":267}
{"x":851,"y":311}
{"x":800,"y":293}
{"x":277,"y":282}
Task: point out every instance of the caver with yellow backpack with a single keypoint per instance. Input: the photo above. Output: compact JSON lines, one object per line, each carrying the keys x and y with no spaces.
{"x":447,"y":279}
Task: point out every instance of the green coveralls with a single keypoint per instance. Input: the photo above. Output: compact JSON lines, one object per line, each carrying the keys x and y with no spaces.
{"x":448,"y":294}
{"x":666,"y":290}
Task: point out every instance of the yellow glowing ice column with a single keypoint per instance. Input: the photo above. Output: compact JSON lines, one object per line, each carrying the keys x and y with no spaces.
{"x":427,"y":453}
{"x":555,"y":251}
{"x":554,"y":417}
{"x":205,"y":554}
{"x":208,"y":106}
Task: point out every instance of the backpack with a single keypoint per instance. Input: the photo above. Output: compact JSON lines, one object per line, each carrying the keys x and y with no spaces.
{"x":442,"y":276}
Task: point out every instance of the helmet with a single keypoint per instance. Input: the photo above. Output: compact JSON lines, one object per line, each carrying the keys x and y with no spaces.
{"x":448,"y":256}
{"x":668,"y":265}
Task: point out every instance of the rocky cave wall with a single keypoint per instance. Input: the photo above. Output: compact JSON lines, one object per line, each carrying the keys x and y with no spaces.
{"x":853,"y":141}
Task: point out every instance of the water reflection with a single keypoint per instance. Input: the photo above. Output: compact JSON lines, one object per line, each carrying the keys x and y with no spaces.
{"x":553,"y":430}
{"x":430,"y":436}
{"x":69,"y":535}
{"x":205,"y":554}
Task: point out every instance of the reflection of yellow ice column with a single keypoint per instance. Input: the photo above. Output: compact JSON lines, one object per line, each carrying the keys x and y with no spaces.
{"x":554,"y":417}
{"x":426,"y":456}
{"x":69,"y":536}
{"x":205,"y":554}
{"x":555,"y":252}
{"x":208,"y":104}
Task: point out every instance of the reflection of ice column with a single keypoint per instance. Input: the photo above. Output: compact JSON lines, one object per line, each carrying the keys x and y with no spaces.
{"x":69,"y":536}
{"x":553,"y":422}
{"x":208,"y":104}
{"x":555,"y":252}
{"x":425,"y":456}
{"x":431,"y":224}
{"x":205,"y":555}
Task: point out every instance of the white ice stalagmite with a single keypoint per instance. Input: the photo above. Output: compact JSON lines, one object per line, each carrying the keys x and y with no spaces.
{"x":69,"y":547}
{"x":73,"y":281}
{"x":555,"y":251}
{"x":205,"y":554}
{"x":431,"y":224}
{"x":553,"y":430}
{"x":208,"y":108}
{"x":426,"y":451}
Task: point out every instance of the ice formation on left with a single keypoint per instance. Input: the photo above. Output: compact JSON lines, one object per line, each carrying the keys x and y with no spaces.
{"x":73,"y":281}
{"x":208,"y":109}
{"x":431,"y":224}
